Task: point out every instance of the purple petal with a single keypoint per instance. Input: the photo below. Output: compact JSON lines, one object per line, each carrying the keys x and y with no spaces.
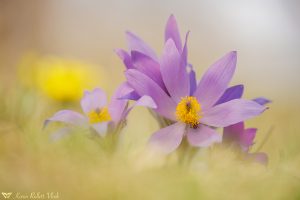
{"x":101,"y":128}
{"x":143,"y":85}
{"x":238,"y":128}
{"x":175,"y":77}
{"x":148,"y":66}
{"x":233,"y":133}
{"x":262,"y":100}
{"x":130,"y":96}
{"x":125,"y":58}
{"x":248,"y":138}
{"x":93,"y":100}
{"x":124,"y":89}
{"x":137,"y":44}
{"x":231,"y":112}
{"x":193,"y":81}
{"x":145,"y":101}
{"x":127,"y":93}
{"x":234,"y":92}
{"x":184,"y":54}
{"x":215,"y":80}
{"x":260,"y":157}
{"x":117,"y":106}
{"x":168,"y":139}
{"x":203,"y":136}
{"x":172,"y":32}
{"x":68,"y":117}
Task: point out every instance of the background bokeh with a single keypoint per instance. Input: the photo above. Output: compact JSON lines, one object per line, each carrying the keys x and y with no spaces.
{"x":84,"y":33}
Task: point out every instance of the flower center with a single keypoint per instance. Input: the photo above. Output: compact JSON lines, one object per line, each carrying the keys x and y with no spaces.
{"x":99,"y":115}
{"x":188,"y":111}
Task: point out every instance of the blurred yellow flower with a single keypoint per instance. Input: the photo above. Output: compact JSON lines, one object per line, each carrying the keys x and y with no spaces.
{"x":59,"y":79}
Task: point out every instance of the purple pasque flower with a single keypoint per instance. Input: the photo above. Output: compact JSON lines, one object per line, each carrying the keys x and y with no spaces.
{"x":142,"y":57}
{"x":243,"y":139}
{"x":103,"y":117}
{"x":237,"y":136}
{"x":194,"y":112}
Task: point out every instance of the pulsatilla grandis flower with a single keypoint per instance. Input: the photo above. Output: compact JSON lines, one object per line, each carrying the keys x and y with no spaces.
{"x":192,"y":109}
{"x":242,"y":139}
{"x":103,"y":117}
{"x":142,"y":57}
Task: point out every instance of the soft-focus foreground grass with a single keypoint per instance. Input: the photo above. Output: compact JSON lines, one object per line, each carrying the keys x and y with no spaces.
{"x":77,"y":168}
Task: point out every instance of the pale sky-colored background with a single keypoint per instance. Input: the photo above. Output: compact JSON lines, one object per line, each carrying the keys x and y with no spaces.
{"x":265,"y":33}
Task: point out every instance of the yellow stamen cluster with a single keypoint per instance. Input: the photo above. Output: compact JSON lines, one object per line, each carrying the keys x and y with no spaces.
{"x":99,"y":115}
{"x":188,"y":111}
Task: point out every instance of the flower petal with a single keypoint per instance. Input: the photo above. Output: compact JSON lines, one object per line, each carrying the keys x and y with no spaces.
{"x":68,"y":117}
{"x":262,"y":100}
{"x":101,"y":128}
{"x":215,"y":80}
{"x":172,"y":32}
{"x":193,"y":80}
{"x":143,"y":85}
{"x":168,"y":139}
{"x":145,"y":101}
{"x":233,"y":133}
{"x":95,"y":99}
{"x":137,"y":44}
{"x":131,"y":96}
{"x":125,"y":57}
{"x":203,"y":136}
{"x":175,"y":77}
{"x":118,"y":106}
{"x":248,"y":138}
{"x":125,"y":88}
{"x":128,"y":93}
{"x":259,"y":157}
{"x":231,"y":112}
{"x":148,"y":66}
{"x":234,"y":92}
{"x":184,"y":53}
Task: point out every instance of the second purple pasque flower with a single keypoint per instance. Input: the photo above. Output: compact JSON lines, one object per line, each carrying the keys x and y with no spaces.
{"x":99,"y":115}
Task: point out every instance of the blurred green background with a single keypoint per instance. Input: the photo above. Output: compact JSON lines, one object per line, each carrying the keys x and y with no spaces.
{"x":50,"y":51}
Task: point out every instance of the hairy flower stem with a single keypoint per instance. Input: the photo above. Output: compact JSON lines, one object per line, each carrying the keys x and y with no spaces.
{"x":185,"y":153}
{"x":162,"y":122}
{"x":110,"y":142}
